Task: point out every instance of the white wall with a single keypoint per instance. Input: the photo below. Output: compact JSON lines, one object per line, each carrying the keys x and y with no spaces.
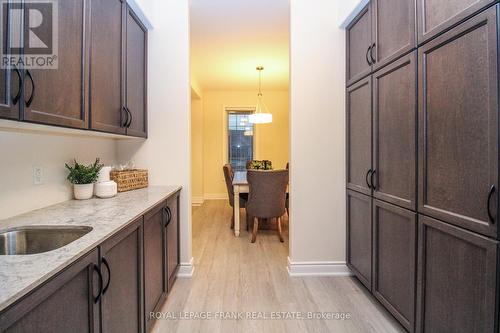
{"x":197,"y":189}
{"x":20,"y":151}
{"x":167,"y":152}
{"x":317,"y":128}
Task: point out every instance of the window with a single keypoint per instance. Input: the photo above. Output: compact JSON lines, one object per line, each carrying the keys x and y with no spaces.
{"x":240,"y":139}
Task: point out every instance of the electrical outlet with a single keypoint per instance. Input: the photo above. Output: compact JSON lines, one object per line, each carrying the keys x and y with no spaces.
{"x":37,"y":175}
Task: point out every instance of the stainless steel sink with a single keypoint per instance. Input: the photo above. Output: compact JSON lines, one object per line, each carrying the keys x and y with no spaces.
{"x":38,"y":239}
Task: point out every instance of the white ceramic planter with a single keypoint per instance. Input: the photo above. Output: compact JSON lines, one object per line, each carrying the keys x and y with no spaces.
{"x":83,"y":191}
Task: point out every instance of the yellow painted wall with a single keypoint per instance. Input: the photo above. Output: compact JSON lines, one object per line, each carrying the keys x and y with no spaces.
{"x":196,"y":148}
{"x":271,"y":139}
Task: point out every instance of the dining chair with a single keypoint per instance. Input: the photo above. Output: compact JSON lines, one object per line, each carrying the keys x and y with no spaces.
{"x":267,"y":197}
{"x":287,"y":202}
{"x":228,"y":176}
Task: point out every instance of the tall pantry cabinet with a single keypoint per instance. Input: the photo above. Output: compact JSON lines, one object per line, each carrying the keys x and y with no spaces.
{"x":422,"y":160}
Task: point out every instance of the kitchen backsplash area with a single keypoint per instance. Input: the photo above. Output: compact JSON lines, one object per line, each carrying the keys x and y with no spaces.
{"x":32,"y":172}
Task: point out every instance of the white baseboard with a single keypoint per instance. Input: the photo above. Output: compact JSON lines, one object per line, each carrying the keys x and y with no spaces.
{"x":197,"y":201}
{"x":215,"y":196}
{"x":318,"y":268}
{"x":186,"y":269}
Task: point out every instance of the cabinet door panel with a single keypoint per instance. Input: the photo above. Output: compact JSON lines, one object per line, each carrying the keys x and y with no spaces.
{"x":9,"y":78}
{"x":136,"y":75}
{"x":59,"y":93}
{"x":394,"y":260}
{"x":458,"y":125}
{"x":359,"y":135}
{"x":359,"y":39}
{"x":435,"y":16}
{"x":154,"y":261}
{"x":106,"y":95}
{"x":63,"y":304}
{"x":393,"y":29}
{"x":173,"y":259}
{"x":122,"y":307}
{"x":359,"y":236}
{"x":394,"y":119}
{"x":456,"y":279}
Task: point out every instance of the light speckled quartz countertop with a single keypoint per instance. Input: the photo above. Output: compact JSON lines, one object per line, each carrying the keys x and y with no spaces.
{"x":19,"y":274}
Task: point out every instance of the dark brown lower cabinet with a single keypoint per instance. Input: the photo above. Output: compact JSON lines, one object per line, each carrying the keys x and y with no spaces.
{"x":155,"y":282}
{"x":113,"y":288}
{"x":121,"y":265}
{"x":456,"y":284}
{"x":394,"y":260}
{"x":172,"y":226}
{"x":66,"y":303}
{"x":359,"y":236}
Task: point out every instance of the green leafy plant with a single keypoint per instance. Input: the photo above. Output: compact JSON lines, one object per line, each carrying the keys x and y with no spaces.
{"x":84,"y":174}
{"x":261,"y":165}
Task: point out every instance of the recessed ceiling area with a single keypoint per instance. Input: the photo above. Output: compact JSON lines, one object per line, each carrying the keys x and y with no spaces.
{"x":229,"y":39}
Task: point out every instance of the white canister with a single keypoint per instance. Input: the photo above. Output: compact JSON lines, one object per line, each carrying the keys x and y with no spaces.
{"x":83,"y":191}
{"x":104,"y":174}
{"x":106,"y":189}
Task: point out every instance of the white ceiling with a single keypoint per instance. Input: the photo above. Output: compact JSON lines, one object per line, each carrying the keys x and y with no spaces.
{"x":229,"y":38}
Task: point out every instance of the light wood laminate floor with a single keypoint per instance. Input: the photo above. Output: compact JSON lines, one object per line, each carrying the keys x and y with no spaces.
{"x":233,"y":275}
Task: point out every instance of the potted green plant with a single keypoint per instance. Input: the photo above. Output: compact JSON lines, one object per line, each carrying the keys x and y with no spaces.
{"x":83,"y":178}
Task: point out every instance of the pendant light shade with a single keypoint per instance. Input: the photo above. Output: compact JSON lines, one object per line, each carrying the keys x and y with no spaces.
{"x":261,"y":115}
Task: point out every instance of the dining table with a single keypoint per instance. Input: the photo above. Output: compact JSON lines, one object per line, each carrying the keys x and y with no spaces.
{"x":240,"y":185}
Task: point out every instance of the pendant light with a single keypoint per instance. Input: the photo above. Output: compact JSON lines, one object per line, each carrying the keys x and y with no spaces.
{"x":261,"y":114}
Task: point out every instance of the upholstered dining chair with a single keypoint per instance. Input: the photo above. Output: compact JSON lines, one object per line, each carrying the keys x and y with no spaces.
{"x":267,"y":197}
{"x":228,"y":176}
{"x":287,"y":202}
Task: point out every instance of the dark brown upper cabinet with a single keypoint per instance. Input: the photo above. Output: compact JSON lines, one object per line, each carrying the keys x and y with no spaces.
{"x":359,"y":41}
{"x":155,"y":280}
{"x":456,"y":284}
{"x":136,"y":69}
{"x":10,"y":79}
{"x":393,"y":30}
{"x":436,"y":16}
{"x":172,"y":239}
{"x":121,"y":259}
{"x":395,"y":260}
{"x":107,"y":67}
{"x":458,"y":125}
{"x":394,"y":132}
{"x":359,"y":136}
{"x":58,"y":96}
{"x":100,"y":79}
{"x":359,"y":236}
{"x":69,"y":302}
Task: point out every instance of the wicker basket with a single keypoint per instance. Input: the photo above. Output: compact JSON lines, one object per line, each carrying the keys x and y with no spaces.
{"x":130,"y":179}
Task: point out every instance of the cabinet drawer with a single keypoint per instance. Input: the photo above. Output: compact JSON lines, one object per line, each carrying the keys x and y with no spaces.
{"x":435,"y":16}
{"x":393,"y":30}
{"x":172,"y":227}
{"x":122,"y":270}
{"x":394,"y":260}
{"x":394,"y":132}
{"x":456,"y":279}
{"x":155,"y":290}
{"x":458,"y":125}
{"x":359,"y":236}
{"x":359,"y":135}
{"x":359,"y":40}
{"x":63,"y":304}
